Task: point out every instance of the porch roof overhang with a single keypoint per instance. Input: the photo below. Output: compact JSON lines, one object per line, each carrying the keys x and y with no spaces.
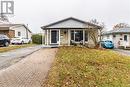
{"x":4,"y":29}
{"x":74,"y":24}
{"x":68,"y":28}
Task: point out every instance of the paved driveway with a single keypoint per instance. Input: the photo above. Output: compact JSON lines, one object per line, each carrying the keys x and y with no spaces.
{"x":123,"y":52}
{"x":9,"y":58}
{"x":29,"y":72}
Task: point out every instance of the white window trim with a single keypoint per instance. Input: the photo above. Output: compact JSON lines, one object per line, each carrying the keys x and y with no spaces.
{"x":83,"y":35}
{"x":47,"y":37}
{"x":88,"y":37}
{"x":58,"y":36}
{"x":69,"y":37}
{"x":19,"y":33}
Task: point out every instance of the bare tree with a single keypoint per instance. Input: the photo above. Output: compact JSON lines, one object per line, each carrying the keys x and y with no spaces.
{"x":101,"y":32}
{"x":93,"y":35}
{"x":121,"y":25}
{"x":96,"y":35}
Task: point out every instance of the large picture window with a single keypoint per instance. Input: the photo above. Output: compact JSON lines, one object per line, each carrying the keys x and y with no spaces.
{"x":77,"y":35}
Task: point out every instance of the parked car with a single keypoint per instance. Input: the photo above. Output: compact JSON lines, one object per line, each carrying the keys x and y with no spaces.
{"x":18,"y":40}
{"x":107,"y":44}
{"x":4,"y":40}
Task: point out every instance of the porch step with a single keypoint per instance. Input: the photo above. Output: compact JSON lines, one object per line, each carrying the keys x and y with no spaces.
{"x":50,"y":46}
{"x":127,"y":48}
{"x":121,"y":47}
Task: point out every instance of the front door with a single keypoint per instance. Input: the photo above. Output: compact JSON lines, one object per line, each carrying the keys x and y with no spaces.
{"x":54,"y":37}
{"x":126,"y":40}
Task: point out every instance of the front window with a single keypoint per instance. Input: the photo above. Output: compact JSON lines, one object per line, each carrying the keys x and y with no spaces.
{"x":125,"y":37}
{"x":77,"y":35}
{"x":19,"y":33}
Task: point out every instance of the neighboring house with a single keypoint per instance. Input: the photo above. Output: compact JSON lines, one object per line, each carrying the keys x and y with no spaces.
{"x":15,"y":30}
{"x":71,"y":29}
{"x":119,"y":36}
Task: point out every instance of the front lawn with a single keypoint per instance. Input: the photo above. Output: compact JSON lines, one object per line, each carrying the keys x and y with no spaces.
{"x":83,"y":67}
{"x":12,"y":47}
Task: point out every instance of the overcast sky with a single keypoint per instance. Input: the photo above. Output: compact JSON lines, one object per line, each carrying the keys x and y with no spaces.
{"x":37,"y":13}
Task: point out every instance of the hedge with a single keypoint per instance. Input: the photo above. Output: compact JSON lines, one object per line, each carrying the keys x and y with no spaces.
{"x":37,"y":39}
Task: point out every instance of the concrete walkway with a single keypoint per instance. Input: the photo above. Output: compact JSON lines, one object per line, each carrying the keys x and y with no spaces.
{"x":9,"y":58}
{"x":123,"y":52}
{"x":29,"y":72}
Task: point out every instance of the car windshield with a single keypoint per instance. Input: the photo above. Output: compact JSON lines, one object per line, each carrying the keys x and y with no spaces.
{"x":108,"y":41}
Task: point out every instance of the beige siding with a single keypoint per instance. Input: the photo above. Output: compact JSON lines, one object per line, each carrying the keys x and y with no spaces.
{"x":90,"y":40}
{"x":64,"y":37}
{"x":49,"y":42}
{"x":47,"y":37}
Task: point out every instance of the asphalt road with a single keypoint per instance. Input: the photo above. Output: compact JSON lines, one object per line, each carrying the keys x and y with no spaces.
{"x":123,"y":52}
{"x":9,"y":58}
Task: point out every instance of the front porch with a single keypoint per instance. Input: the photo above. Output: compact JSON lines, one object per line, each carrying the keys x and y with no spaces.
{"x":63,"y":37}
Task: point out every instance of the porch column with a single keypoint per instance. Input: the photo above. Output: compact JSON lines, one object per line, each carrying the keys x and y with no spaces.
{"x":59,"y":36}
{"x":83,"y":36}
{"x":47,"y":38}
{"x":69,"y":37}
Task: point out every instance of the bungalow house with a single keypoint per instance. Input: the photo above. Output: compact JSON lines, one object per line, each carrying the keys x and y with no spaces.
{"x":15,"y":30}
{"x":119,"y":36}
{"x":70,"y":30}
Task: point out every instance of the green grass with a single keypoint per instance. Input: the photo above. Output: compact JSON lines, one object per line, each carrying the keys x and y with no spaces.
{"x":12,"y":47}
{"x":83,"y":67}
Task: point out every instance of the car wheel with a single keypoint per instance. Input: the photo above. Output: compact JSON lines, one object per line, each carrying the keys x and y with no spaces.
{"x":6,"y":44}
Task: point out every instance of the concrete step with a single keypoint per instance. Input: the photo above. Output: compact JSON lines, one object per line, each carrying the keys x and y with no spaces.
{"x":127,"y":48}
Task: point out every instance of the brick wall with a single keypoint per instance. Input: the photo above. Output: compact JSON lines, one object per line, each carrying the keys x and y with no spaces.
{"x":9,"y":33}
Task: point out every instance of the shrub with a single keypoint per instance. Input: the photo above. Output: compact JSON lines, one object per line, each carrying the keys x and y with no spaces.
{"x":37,"y":39}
